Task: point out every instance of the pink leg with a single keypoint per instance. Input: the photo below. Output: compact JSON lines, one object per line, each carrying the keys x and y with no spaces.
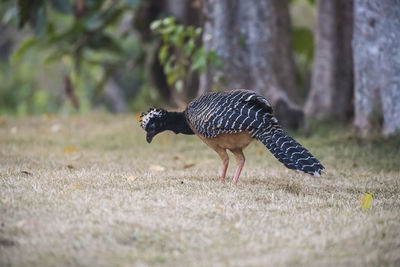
{"x":224,"y":168}
{"x":240,"y":163}
{"x":238,"y":171}
{"x":225,"y":161}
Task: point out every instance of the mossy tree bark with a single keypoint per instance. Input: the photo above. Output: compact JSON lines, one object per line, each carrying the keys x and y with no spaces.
{"x":252,"y":39}
{"x":377,"y":64}
{"x":331,"y":92}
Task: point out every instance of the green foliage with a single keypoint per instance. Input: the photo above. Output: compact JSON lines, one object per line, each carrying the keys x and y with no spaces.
{"x":82,"y":39}
{"x":303,"y":42}
{"x":62,"y":6}
{"x":303,"y":46}
{"x":181,"y":53}
{"x":26,"y":88}
{"x":89,"y":26}
{"x":303,"y":15}
{"x":311,"y":2}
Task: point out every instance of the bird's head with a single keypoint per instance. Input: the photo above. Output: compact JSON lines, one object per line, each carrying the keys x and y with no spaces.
{"x":153,"y":122}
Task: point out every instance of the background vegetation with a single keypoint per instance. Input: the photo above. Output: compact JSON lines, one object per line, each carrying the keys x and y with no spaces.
{"x":75,"y":56}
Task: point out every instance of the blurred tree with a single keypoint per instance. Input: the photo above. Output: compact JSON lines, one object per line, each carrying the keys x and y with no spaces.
{"x":187,"y":13}
{"x":331,"y":92}
{"x":180,"y":57}
{"x":90,"y":37}
{"x":147,"y":12}
{"x":253,"y":40}
{"x":97,"y":41}
{"x":303,"y":16}
{"x":6,"y":42}
{"x":377,"y":64}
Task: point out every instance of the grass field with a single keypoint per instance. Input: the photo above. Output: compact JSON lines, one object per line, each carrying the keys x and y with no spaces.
{"x":90,"y":191}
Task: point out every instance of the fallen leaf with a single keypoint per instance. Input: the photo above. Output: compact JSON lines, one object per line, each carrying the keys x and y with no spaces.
{"x":366,"y":202}
{"x":361,"y":175}
{"x":189,"y":165}
{"x":26,"y":172}
{"x":48,"y":117}
{"x":69,"y":149}
{"x":131,"y":178}
{"x":155,"y":167}
{"x":69,"y":166}
{"x":75,"y":187}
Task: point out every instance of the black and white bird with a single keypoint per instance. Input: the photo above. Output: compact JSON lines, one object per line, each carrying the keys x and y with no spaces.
{"x":231,"y":120}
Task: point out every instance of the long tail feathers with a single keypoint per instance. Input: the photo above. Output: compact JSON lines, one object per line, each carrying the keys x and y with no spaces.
{"x":288,"y":151}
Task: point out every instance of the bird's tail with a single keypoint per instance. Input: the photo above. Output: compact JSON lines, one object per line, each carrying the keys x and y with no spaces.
{"x":288,"y":151}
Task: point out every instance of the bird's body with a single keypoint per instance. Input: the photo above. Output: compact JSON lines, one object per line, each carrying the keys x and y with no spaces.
{"x":231,"y":121}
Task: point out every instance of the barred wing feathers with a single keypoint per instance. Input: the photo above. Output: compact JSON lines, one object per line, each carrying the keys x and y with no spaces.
{"x":229,"y":112}
{"x":242,"y":110}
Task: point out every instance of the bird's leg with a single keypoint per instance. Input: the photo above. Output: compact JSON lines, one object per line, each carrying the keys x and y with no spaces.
{"x":225,"y":161}
{"x":240,"y":163}
{"x":224,"y":168}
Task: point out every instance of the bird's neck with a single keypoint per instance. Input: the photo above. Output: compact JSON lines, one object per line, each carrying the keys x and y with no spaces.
{"x":176,"y":122}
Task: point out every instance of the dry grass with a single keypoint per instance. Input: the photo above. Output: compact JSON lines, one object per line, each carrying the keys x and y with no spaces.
{"x":118,"y":201}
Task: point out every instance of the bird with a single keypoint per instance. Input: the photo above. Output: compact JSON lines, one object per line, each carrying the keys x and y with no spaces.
{"x":231,"y":120}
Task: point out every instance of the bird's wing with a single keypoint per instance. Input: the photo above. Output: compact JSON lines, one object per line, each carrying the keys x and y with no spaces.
{"x":229,"y":112}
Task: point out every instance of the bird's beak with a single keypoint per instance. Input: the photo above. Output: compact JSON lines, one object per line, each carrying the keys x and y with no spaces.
{"x":149,"y":136}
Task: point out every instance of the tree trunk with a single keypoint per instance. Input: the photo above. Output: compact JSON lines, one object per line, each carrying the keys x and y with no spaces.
{"x":6,"y":42}
{"x":187,"y":12}
{"x":377,"y":64}
{"x":331,"y":92}
{"x":252,"y":39}
{"x":115,"y":96}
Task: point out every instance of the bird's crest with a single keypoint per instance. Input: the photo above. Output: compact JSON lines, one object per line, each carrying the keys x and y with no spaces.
{"x":146,"y":117}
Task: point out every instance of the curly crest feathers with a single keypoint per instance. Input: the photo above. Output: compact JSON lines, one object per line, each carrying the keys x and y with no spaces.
{"x":152,"y":113}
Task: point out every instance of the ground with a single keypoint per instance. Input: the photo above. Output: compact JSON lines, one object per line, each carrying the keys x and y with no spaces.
{"x":90,"y":191}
